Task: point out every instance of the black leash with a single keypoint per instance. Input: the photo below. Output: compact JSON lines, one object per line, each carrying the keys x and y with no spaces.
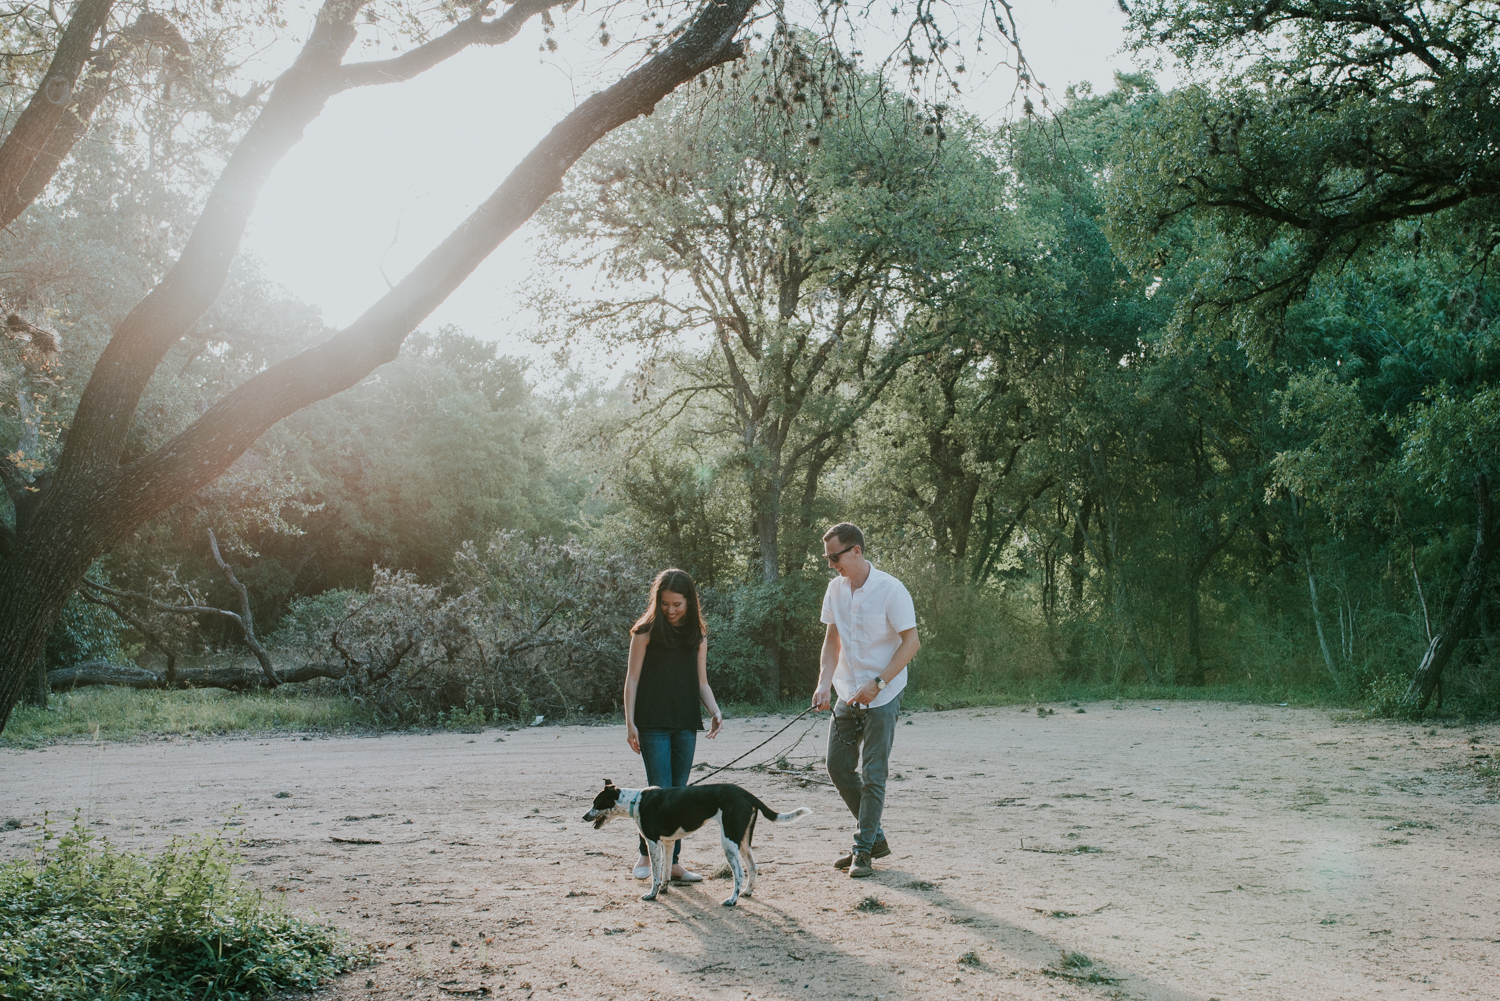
{"x":752,"y":750}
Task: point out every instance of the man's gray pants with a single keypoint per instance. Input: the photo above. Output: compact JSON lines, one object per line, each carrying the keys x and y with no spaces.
{"x":859,"y":758}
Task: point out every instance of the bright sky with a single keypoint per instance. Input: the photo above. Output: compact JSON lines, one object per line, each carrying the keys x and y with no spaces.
{"x":386,"y":172}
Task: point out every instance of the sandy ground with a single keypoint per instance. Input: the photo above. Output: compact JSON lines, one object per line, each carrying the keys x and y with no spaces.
{"x":1196,"y":852}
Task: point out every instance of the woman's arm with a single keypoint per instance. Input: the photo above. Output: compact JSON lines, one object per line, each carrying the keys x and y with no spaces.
{"x":638,"y":643}
{"x":706,"y":693}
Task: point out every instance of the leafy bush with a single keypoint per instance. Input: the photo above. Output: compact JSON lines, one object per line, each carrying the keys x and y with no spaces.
{"x":84,"y":632}
{"x":1384,"y":698}
{"x":87,"y":922}
{"x":308,"y":620}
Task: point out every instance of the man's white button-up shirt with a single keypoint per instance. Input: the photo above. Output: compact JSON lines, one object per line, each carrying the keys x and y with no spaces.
{"x":870,"y":621}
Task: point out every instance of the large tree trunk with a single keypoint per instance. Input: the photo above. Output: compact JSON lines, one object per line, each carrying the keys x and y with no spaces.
{"x":1461,"y":617}
{"x":93,"y":500}
{"x":35,"y":694}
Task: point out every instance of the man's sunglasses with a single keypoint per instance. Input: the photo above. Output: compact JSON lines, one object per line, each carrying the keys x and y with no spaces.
{"x":834,"y":557}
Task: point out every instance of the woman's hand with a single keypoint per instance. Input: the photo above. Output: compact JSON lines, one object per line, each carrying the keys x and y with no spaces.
{"x":633,"y":739}
{"x":715,"y":724}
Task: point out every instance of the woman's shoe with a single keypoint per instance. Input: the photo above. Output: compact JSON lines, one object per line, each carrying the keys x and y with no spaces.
{"x":641,"y":872}
{"x":688,"y":876}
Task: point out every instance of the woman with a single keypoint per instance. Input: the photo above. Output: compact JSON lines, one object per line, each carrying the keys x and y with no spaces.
{"x":665,"y":678}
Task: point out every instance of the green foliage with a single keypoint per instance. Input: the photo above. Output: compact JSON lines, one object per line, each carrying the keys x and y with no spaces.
{"x":1386,"y":698}
{"x":85,"y":632}
{"x":82,"y":921}
{"x":1324,"y":128}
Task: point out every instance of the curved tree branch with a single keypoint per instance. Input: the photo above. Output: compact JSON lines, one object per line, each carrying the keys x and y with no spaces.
{"x":211,"y":444}
{"x":472,"y":31}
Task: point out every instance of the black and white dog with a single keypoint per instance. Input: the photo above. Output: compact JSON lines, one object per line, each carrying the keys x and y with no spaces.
{"x":665,"y":815}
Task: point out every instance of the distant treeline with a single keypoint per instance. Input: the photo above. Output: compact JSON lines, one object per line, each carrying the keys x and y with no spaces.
{"x":1178,"y":388}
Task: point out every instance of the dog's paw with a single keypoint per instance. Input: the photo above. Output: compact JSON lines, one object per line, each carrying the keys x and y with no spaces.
{"x":648,"y":896}
{"x":729,"y":902}
{"x":746,"y":894}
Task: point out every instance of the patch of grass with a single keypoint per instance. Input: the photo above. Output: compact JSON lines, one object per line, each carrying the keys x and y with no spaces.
{"x":870,"y":905}
{"x":82,"y":920}
{"x":970,"y":958}
{"x":123,"y":713}
{"x":1074,"y":961}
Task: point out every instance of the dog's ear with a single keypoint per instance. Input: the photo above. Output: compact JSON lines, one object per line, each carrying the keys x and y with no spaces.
{"x":607,"y":783}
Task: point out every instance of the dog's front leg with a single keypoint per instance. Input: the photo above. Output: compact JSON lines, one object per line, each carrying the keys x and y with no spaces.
{"x":658,"y":883}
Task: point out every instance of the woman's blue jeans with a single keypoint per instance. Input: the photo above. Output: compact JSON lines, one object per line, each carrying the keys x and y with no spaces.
{"x":668,"y":757}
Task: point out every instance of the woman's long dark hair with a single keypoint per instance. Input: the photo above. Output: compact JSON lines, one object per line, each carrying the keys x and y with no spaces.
{"x":693,"y":628}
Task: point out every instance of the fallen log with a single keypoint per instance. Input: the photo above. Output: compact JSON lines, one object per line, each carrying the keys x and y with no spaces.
{"x":98,"y":672}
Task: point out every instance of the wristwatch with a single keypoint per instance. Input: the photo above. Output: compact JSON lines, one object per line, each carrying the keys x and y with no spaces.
{"x":880,"y":684}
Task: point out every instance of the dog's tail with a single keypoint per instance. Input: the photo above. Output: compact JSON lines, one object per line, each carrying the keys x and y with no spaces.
{"x":790,"y":817}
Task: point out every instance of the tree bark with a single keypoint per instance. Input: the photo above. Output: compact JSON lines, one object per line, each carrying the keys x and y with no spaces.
{"x":93,"y":500}
{"x":35,"y":695}
{"x":1465,"y":609}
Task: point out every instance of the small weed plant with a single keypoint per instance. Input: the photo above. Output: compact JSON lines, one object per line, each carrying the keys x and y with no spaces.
{"x":83,"y":921}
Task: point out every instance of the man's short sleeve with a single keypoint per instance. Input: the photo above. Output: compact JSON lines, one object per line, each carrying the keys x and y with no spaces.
{"x":827,"y":616}
{"x":899,"y":608}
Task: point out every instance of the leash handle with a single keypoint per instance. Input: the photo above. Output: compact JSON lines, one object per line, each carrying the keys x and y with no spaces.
{"x":752,"y":750}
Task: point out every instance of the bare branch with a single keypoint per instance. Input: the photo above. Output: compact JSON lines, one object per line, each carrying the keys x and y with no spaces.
{"x":246,"y":620}
{"x":473,"y":31}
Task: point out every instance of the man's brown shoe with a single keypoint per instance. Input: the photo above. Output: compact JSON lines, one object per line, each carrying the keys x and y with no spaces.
{"x":861,"y":866}
{"x":881,"y":850}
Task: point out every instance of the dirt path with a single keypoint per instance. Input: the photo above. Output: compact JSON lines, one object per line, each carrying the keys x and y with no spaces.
{"x":1196,"y":852}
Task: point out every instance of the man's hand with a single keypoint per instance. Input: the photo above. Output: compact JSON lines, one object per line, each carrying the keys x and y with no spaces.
{"x":633,"y":739}
{"x":822,"y":699}
{"x":867,"y":693}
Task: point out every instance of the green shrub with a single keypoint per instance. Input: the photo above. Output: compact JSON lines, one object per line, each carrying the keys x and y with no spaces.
{"x":1383,"y":698}
{"x":84,"y":632}
{"x":87,"y":922}
{"x":308,"y":619}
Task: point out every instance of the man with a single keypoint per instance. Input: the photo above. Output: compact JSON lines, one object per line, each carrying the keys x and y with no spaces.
{"x":872,"y":634}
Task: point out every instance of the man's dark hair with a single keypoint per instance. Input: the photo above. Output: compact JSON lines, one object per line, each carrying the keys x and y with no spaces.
{"x":847,"y":534}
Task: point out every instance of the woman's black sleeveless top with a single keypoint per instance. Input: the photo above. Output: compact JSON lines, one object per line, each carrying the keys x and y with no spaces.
{"x":666,"y":697}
